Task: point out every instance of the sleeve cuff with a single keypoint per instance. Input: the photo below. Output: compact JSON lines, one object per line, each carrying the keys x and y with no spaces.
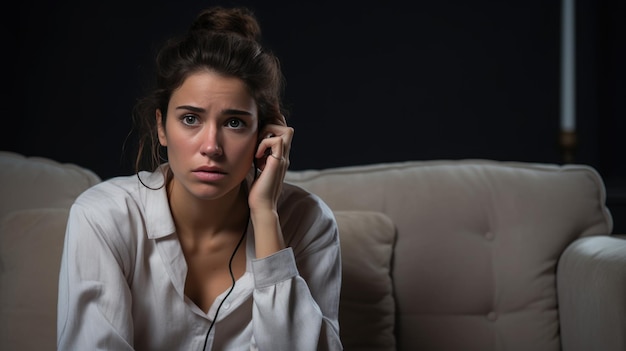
{"x":275,"y":268}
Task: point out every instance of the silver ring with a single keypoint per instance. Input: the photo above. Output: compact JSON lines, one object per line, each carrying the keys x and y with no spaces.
{"x":276,"y":157}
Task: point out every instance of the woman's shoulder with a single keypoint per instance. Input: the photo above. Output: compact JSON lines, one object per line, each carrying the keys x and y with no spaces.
{"x":294,"y":196}
{"x":110,"y":215}
{"x":308,"y":223}
{"x":122,"y":192}
{"x":122,"y":205}
{"x":112,"y":189}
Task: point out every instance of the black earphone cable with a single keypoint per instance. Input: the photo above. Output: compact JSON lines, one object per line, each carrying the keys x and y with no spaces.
{"x":232,"y":277}
{"x":230,"y":270}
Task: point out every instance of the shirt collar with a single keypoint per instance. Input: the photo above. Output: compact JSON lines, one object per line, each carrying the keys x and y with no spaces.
{"x":159,"y":221}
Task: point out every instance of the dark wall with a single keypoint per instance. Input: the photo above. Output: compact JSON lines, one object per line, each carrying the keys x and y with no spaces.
{"x":376,"y":81}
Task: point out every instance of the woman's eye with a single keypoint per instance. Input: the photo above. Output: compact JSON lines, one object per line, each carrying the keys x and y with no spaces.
{"x":189,"y":119}
{"x":235,"y":123}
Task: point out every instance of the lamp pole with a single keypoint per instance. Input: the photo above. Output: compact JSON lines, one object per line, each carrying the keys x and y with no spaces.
{"x":567,"y":138}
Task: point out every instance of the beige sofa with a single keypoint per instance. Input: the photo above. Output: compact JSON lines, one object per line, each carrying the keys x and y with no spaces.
{"x":437,"y":255}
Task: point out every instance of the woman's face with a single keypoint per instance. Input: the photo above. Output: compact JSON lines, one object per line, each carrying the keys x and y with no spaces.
{"x":210,"y":134}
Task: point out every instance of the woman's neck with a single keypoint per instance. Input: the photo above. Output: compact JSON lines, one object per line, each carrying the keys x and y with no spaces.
{"x":199,"y":217}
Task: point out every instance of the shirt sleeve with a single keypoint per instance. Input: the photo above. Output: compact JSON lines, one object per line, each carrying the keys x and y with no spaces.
{"x":296,"y":295}
{"x":94,"y":301}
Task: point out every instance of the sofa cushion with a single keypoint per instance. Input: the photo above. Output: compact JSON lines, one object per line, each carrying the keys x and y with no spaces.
{"x":31,"y":242}
{"x":367,"y":306}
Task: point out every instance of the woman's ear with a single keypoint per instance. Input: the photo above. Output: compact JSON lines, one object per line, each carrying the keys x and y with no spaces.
{"x":160,"y":128}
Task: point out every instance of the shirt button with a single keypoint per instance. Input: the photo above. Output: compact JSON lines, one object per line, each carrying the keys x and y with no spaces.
{"x":492,"y":316}
{"x":489,"y":236}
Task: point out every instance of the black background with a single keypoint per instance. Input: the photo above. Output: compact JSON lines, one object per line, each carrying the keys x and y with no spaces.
{"x":367,"y":82}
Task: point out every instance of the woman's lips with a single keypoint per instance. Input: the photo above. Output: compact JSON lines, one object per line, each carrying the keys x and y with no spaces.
{"x":209,"y":174}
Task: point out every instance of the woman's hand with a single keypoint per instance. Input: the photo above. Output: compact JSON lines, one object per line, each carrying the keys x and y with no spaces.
{"x":273,"y":161}
{"x":272,"y":157}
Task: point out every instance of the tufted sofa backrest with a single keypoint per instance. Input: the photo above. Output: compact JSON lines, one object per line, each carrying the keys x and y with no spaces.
{"x":38,"y":182}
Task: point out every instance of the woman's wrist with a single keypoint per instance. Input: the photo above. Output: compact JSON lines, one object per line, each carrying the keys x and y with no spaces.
{"x":268,"y":235}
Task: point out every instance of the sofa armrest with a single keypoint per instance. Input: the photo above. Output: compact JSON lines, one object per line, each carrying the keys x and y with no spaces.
{"x":591,"y":285}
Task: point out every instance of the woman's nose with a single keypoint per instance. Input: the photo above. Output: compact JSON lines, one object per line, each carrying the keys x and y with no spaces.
{"x":212,"y":145}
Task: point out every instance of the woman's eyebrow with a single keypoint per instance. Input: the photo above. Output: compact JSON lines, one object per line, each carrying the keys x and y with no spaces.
{"x":236,"y":112}
{"x":191,"y":108}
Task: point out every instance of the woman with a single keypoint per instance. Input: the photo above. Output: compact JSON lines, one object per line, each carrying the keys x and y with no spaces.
{"x":208,"y":250}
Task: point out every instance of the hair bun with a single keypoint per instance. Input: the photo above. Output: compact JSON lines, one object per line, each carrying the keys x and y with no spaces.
{"x":238,"y":20}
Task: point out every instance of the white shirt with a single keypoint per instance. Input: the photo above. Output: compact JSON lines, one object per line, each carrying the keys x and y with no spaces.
{"x":123,"y":272}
